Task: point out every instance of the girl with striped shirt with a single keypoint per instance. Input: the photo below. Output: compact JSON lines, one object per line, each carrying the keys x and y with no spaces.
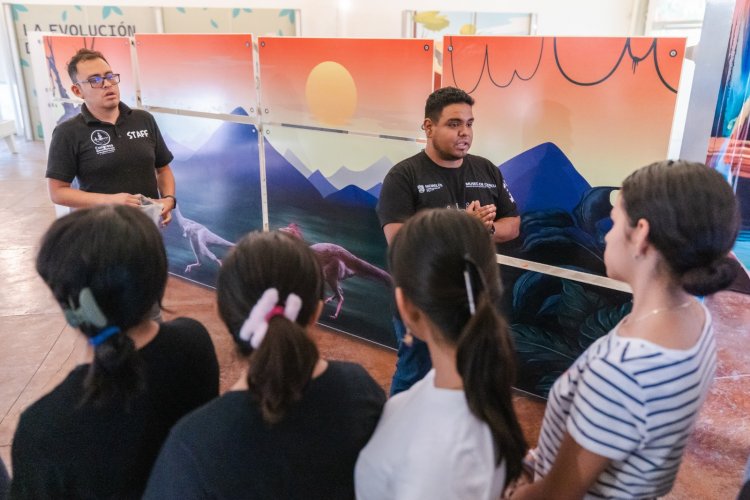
{"x":618,"y":420}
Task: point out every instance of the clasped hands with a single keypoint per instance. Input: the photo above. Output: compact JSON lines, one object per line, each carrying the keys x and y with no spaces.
{"x":485,"y":213}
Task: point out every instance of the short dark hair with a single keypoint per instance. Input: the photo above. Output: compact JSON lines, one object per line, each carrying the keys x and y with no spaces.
{"x":117,"y":252}
{"x":282,"y":365}
{"x":443,"y":97}
{"x":693,"y":218}
{"x":428,"y":258}
{"x":82,"y":55}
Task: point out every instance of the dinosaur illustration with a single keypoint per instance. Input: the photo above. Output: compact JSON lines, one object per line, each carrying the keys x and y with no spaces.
{"x":339,"y":264}
{"x":199,"y":237}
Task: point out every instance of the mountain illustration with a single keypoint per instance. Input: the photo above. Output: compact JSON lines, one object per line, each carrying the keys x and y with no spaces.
{"x":371,"y":175}
{"x":297,"y":163}
{"x":180,"y":151}
{"x":543,"y":178}
{"x":375,"y":190}
{"x":286,"y":185}
{"x":321,"y":183}
{"x":352,"y":196}
{"x":235,"y":146}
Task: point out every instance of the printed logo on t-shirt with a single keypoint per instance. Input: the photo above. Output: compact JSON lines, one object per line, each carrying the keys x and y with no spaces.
{"x":481,"y":185}
{"x":137,"y":134}
{"x":101,"y":139}
{"x":510,"y":195}
{"x":428,"y":188}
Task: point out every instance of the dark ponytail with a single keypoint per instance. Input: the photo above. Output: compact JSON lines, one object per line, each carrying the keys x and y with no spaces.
{"x":116,"y":252}
{"x":282,"y":365}
{"x":429,"y":259}
{"x":486,"y":363}
{"x":693,"y":221}
{"x":117,"y":372}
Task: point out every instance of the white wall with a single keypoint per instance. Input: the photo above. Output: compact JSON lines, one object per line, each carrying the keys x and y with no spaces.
{"x":383,"y":18}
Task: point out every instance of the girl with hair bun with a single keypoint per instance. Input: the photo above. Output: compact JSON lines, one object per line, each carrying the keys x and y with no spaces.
{"x":454,"y":434}
{"x":97,"y":434}
{"x":293,"y":426}
{"x":618,"y":420}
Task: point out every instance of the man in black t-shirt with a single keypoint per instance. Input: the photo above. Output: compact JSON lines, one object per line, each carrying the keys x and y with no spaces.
{"x":443,"y":175}
{"x":117,"y":153}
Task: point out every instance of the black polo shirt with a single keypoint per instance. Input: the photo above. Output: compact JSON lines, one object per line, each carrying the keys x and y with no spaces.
{"x":417,"y":183}
{"x":106,"y":158}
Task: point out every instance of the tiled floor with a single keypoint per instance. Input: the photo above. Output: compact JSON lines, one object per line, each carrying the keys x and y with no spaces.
{"x":37,"y":349}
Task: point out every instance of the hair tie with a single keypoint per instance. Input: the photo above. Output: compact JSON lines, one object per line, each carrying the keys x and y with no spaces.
{"x":256,"y":325}
{"x":103,"y":335}
{"x":467,"y":284}
{"x":87,"y":312}
{"x":276,"y":311}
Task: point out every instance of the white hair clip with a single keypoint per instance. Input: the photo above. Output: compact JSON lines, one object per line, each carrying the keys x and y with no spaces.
{"x":256,"y":325}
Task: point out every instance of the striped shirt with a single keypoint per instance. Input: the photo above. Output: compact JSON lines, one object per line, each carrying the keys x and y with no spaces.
{"x":633,"y":402}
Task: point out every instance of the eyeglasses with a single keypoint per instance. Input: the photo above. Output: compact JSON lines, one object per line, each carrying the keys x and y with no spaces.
{"x":97,"y":82}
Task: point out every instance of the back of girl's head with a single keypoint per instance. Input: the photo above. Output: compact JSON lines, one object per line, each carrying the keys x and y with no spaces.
{"x":117,"y":253}
{"x":444,"y":262}
{"x":693,"y":218}
{"x":282,"y":364}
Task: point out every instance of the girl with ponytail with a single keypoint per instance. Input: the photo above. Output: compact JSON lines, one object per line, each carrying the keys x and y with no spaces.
{"x":618,"y":420}
{"x":454,"y":434}
{"x":293,"y":425}
{"x":97,"y":434}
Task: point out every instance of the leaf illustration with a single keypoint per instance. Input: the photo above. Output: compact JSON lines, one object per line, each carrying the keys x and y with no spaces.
{"x":214,"y":24}
{"x":117,"y":10}
{"x":78,"y":8}
{"x":235,"y":13}
{"x":532,"y":222}
{"x":549,"y":306}
{"x":181,"y":10}
{"x":65,"y":15}
{"x":24,"y":63}
{"x":534,"y":344}
{"x":530,"y":292}
{"x":593,"y":207}
{"x":576,"y":304}
{"x":39,"y":131}
{"x":602,"y":322}
{"x":247,"y":10}
{"x":468,"y":29}
{"x":563,"y":246}
{"x":16,"y":8}
{"x":432,"y":20}
{"x":290,"y":13}
{"x":106,"y":11}
{"x":544,"y":384}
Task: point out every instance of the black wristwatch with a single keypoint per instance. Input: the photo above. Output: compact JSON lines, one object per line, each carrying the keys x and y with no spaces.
{"x":170,"y":196}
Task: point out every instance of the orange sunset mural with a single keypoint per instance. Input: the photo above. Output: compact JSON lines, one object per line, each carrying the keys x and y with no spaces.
{"x":58,"y":50}
{"x":607,"y":103}
{"x":336,"y":114}
{"x":210,"y":74}
{"x":360,"y":85}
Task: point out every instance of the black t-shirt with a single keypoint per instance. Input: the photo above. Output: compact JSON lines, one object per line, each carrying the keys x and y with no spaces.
{"x":226,"y":450}
{"x":64,"y":450}
{"x":418,"y":183}
{"x":106,"y":158}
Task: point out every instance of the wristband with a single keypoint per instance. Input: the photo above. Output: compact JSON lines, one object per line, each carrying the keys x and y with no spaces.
{"x":173,"y":198}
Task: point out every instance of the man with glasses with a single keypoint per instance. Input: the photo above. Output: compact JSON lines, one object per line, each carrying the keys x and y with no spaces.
{"x":116,"y":153}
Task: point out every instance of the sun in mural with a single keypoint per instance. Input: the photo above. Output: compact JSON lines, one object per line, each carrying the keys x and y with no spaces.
{"x":331,"y":94}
